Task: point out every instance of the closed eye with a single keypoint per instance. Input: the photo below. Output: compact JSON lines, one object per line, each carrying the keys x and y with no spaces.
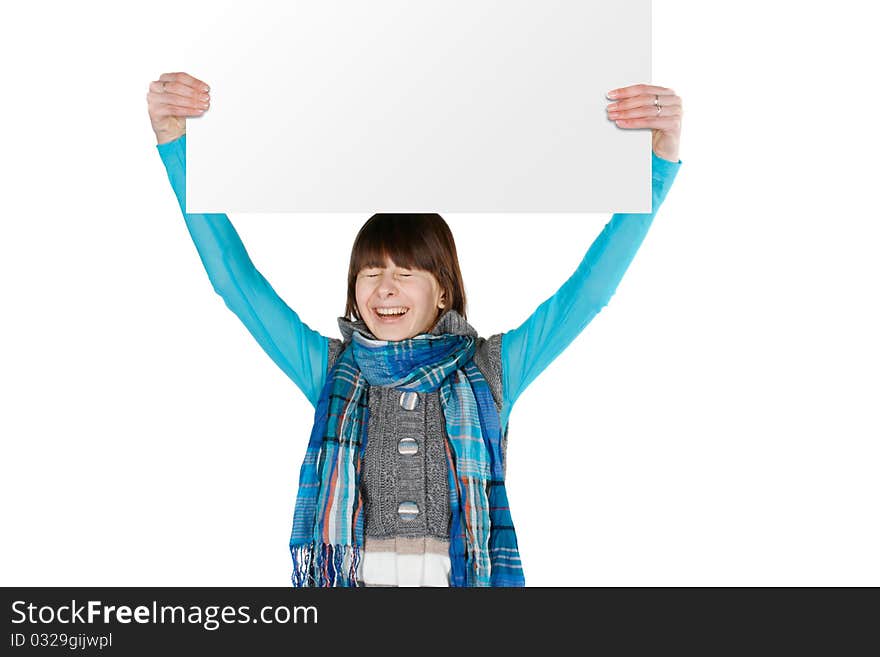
{"x":372,"y":275}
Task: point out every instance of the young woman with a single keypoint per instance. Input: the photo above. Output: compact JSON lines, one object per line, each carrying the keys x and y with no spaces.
{"x":403,"y":479}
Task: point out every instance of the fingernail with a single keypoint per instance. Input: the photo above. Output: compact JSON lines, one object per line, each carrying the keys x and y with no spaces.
{"x":612,"y":94}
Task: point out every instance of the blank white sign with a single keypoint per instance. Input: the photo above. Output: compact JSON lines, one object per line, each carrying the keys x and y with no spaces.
{"x":419,"y":106}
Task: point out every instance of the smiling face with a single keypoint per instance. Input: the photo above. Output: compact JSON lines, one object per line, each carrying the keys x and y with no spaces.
{"x":392,"y":288}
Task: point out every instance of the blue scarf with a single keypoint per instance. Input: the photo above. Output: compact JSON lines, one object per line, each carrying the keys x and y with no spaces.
{"x":328,"y":523}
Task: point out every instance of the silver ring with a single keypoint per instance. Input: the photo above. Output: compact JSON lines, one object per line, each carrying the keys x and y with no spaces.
{"x":164,"y":82}
{"x":657,"y":103}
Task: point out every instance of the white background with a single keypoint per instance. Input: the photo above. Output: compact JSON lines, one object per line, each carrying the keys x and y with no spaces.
{"x":715,"y":424}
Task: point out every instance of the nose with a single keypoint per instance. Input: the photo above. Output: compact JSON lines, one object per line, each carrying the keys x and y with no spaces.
{"x":387,"y":284}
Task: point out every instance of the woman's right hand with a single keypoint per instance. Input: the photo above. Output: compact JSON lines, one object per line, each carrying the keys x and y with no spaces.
{"x":172,"y":98}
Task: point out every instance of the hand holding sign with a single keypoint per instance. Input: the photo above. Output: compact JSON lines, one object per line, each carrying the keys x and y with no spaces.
{"x":172,"y":98}
{"x":649,"y":106}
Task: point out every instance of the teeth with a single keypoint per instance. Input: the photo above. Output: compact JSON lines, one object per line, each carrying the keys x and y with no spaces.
{"x":391,"y":311}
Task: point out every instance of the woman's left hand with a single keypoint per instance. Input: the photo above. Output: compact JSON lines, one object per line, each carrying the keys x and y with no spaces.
{"x":636,"y":107}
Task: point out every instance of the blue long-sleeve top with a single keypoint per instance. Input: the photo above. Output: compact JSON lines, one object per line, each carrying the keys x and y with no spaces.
{"x":302,"y":353}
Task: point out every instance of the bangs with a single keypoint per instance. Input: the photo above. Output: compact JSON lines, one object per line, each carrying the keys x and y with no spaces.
{"x":401,"y":241}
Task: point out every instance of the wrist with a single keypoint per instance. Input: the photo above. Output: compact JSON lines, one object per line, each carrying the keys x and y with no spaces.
{"x":165,"y":137}
{"x":672,"y":156}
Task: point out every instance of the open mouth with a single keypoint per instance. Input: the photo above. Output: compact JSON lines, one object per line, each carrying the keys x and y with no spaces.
{"x":390,"y":315}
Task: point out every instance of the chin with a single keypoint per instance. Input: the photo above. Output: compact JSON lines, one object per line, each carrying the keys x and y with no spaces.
{"x":394,"y":332}
{"x":391,"y":334}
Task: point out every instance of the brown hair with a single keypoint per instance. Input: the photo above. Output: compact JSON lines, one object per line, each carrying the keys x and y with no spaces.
{"x":415,"y":241}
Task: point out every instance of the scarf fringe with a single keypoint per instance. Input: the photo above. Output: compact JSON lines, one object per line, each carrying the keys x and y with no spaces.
{"x":323,"y":565}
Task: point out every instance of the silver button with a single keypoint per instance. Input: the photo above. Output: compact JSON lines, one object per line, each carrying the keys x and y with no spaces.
{"x":409,"y":399}
{"x":408,"y":510}
{"x":408,"y":446}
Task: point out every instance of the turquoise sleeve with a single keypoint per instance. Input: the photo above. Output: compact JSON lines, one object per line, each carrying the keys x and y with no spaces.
{"x":527,"y":350}
{"x":298,"y":350}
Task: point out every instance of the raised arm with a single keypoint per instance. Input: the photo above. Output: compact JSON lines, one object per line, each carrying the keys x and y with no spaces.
{"x":528,"y":349}
{"x":298,"y":350}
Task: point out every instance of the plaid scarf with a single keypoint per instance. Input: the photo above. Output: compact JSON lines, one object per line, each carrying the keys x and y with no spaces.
{"x":328,"y":523}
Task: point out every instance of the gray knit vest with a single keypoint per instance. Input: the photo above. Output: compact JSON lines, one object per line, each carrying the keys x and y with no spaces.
{"x":390,"y":477}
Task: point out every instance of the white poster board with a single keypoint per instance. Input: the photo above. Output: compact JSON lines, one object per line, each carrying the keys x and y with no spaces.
{"x":419,"y":106}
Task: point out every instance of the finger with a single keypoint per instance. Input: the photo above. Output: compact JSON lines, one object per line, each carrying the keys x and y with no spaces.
{"x":176,"y":93}
{"x":670,"y":123}
{"x":639,"y":90}
{"x":185,"y":79}
{"x":177,"y":90}
{"x":644,"y":101}
{"x":166,"y":109}
{"x":645,"y":111}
